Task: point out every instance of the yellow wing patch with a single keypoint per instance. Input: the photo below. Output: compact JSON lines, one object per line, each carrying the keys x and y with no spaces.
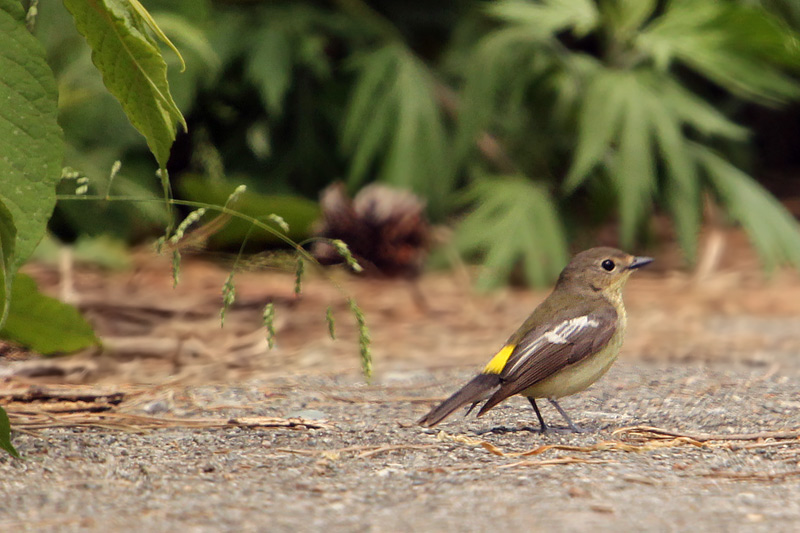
{"x":498,"y":362}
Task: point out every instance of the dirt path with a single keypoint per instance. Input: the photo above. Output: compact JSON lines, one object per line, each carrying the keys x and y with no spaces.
{"x":370,"y":469}
{"x":720,"y":359}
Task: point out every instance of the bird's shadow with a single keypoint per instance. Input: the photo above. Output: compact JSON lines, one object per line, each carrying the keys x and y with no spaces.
{"x":502,"y":430}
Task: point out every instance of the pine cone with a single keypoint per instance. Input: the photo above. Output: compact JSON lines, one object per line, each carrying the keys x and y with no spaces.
{"x":384,"y":227}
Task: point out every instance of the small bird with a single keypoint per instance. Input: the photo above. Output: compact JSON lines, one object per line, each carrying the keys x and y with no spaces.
{"x":569,"y":341}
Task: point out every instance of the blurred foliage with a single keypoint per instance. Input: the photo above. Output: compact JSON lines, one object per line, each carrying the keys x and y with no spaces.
{"x":5,"y":434}
{"x":638,"y":90}
{"x":533,"y":121}
{"x":297,"y":213}
{"x":504,"y":205}
{"x":42,"y":323}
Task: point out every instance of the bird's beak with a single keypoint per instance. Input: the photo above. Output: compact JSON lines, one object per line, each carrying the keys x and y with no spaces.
{"x":639,"y":262}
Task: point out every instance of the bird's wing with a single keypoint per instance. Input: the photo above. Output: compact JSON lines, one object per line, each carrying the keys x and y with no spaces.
{"x":552,"y":346}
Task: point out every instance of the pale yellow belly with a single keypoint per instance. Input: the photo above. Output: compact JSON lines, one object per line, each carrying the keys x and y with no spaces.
{"x":579,"y":376}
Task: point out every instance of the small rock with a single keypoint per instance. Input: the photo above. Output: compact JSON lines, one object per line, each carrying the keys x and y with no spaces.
{"x":155,"y":407}
{"x":577,"y":492}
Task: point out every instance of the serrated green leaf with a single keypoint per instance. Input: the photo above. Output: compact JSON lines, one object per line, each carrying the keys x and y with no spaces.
{"x":651,"y":111}
{"x":132,"y":67}
{"x":33,"y":148}
{"x":5,"y":434}
{"x":148,"y":20}
{"x":202,"y":60}
{"x":374,"y":68}
{"x":43,"y":323}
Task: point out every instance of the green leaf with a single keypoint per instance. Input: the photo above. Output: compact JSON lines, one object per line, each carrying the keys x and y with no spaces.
{"x":145,"y":17}
{"x":633,"y":169}
{"x":202,"y":61}
{"x":600,"y":115}
{"x":625,"y":16}
{"x":270,"y":65}
{"x":5,"y":434}
{"x":8,"y":234}
{"x":773,"y":231}
{"x":616,"y":130}
{"x":503,"y":67}
{"x":369,"y":120}
{"x":44,"y":324}
{"x":31,"y":140}
{"x":548,"y":17}
{"x":741,"y":48}
{"x":132,"y":67}
{"x":682,"y":188}
{"x":698,"y":113}
{"x":515,"y":221}
{"x":633,"y":123}
{"x":394,"y":126}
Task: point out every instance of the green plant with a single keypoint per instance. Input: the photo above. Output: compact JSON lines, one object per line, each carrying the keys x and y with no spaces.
{"x":134,"y":71}
{"x":600,"y":104}
{"x":120,"y":34}
{"x":614,"y":96}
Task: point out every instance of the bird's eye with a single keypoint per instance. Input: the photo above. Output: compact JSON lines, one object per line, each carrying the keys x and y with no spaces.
{"x":608,"y":265}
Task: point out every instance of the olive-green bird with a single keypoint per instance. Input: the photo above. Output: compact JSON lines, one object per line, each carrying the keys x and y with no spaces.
{"x":565,"y":345}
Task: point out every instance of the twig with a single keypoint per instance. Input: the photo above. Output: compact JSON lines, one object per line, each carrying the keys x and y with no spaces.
{"x":123,"y":421}
{"x":67,"y":394}
{"x":704,"y":437}
{"x":366,"y":450}
{"x":384,"y":449}
{"x":599,"y":447}
{"x":408,"y":399}
{"x":617,"y":446}
{"x":557,"y":461}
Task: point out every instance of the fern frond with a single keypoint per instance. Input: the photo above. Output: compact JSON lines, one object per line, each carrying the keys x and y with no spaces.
{"x":773,"y":231}
{"x":515,"y":221}
{"x":394,"y":127}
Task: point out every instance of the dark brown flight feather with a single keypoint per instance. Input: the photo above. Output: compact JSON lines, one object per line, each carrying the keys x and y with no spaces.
{"x":478,"y":389}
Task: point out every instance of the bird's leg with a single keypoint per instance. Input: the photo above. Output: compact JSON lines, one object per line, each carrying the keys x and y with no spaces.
{"x":542,"y":425}
{"x":572,"y":426}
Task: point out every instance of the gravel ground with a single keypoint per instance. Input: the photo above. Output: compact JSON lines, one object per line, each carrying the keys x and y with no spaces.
{"x":372,"y":469}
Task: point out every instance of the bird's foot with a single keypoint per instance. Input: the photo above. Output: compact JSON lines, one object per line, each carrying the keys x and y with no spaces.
{"x":576,"y":429}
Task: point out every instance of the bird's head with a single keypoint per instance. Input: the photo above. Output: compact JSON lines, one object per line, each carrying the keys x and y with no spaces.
{"x":601,"y":270}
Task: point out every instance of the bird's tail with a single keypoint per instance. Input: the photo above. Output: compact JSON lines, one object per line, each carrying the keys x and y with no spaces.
{"x":480,"y":388}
